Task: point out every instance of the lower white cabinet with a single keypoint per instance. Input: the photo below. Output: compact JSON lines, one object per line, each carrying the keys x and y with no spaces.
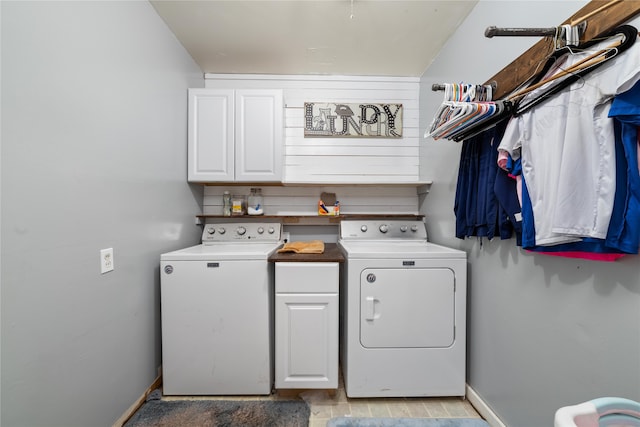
{"x":306,"y":325}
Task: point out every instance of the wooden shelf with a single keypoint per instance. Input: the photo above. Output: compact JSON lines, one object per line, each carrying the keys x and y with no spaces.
{"x":309,"y":219}
{"x":425,"y":184}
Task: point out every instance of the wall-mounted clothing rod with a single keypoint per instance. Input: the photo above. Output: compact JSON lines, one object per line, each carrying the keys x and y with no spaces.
{"x":511,"y":32}
{"x":565,"y":35}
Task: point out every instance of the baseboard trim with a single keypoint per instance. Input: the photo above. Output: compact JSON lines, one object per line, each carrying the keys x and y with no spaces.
{"x":483,"y":409}
{"x":138,"y":403}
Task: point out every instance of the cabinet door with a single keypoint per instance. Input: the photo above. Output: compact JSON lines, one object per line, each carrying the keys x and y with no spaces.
{"x":211,"y":135}
{"x":306,"y":341}
{"x":259,"y":135}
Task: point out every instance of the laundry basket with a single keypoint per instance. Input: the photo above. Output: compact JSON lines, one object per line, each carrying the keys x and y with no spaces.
{"x":600,"y":412}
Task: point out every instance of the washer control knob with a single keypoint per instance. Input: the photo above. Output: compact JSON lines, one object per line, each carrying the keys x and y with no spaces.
{"x":364,"y":228}
{"x":241,"y":231}
{"x":414,"y":228}
{"x":260,"y":230}
{"x":403,"y":228}
{"x":221,"y":230}
{"x":211,"y":230}
{"x":384,"y":228}
{"x":271,"y":230}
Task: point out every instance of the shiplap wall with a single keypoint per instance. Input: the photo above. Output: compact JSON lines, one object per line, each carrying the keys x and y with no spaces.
{"x":329,"y":161}
{"x":341,"y":160}
{"x":303,"y":200}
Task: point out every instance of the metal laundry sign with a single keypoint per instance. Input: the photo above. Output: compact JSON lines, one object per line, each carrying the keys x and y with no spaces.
{"x":352,"y":120}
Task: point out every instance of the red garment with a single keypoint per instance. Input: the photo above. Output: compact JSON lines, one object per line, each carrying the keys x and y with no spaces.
{"x":592,"y":256}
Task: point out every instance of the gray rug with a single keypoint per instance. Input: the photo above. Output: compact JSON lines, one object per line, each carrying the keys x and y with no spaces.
{"x":406,"y":422}
{"x":221,"y":413}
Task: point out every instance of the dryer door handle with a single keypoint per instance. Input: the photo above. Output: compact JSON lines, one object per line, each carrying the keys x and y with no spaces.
{"x":371,"y":303}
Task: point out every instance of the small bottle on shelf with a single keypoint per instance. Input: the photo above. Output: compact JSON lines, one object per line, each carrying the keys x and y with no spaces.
{"x":226,"y":204}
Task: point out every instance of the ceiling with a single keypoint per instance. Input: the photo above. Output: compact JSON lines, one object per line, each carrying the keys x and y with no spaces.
{"x":326,"y":37}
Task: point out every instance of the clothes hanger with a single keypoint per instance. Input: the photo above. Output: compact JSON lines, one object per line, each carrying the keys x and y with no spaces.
{"x":504,"y":111}
{"x":508,"y":107}
{"x":462,"y":115}
{"x":463,"y":104}
{"x":589,"y":61}
{"x":578,"y":70}
{"x":515,"y":105}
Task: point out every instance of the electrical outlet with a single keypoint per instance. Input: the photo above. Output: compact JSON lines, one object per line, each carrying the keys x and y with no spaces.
{"x":106,"y":260}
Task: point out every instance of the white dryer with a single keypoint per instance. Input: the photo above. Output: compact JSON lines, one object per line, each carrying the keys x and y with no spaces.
{"x":403,"y":306}
{"x":217,"y":312}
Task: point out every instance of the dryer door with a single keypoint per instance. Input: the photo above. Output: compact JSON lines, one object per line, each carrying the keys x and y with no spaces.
{"x":407,"y":308}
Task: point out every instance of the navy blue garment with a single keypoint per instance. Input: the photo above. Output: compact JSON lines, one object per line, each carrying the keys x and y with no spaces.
{"x":528,"y":227}
{"x":507,"y":194}
{"x":476,"y":206}
{"x":506,"y":191}
{"x":463,"y":189}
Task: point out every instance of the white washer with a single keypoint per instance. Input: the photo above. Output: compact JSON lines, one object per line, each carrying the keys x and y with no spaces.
{"x":403,"y":331}
{"x":217,"y":312}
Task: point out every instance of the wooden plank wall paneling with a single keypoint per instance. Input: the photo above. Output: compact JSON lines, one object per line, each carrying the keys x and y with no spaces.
{"x":341,"y":160}
{"x":303,"y":200}
{"x":522,"y":68}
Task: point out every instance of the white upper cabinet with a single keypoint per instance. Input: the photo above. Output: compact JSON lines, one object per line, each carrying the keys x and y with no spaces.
{"x":259,"y":135}
{"x":211,"y":135}
{"x":235,"y":135}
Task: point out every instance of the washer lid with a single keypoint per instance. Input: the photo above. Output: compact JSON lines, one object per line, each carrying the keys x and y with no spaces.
{"x":398,"y":249}
{"x":223,"y":251}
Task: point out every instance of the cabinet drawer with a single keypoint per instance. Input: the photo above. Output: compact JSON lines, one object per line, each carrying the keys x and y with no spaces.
{"x":307,"y":277}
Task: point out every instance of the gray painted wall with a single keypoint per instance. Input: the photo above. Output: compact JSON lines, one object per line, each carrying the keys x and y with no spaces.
{"x":544,"y":332}
{"x":93,"y":137}
{"x":93,"y":156}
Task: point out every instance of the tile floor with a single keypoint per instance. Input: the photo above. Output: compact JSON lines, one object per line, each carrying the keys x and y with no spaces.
{"x":324,"y":407}
{"x":327,"y":404}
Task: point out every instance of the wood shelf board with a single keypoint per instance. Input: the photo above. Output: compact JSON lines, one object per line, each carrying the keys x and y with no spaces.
{"x":312,"y":219}
{"x":341,"y":216}
{"x":315,"y":184}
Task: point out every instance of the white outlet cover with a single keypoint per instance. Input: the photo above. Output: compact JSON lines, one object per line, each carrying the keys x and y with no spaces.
{"x":106,"y":260}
